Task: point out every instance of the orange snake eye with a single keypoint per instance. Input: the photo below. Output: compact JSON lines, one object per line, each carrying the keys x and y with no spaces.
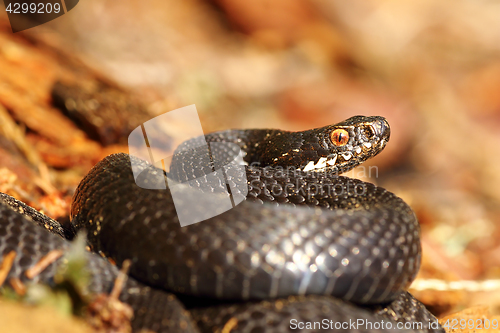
{"x":340,"y":137}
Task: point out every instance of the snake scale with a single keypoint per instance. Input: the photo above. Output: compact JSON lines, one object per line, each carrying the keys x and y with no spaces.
{"x":307,"y":250}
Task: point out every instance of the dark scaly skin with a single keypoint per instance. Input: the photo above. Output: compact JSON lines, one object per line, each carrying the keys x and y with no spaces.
{"x":361,"y":247}
{"x":154,"y":309}
{"x":280,"y":315}
{"x":237,"y":255}
{"x":171,"y":257}
{"x":160,"y":311}
{"x":194,"y":259}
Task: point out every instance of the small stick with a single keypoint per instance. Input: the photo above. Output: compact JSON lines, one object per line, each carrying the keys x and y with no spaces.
{"x":46,"y":260}
{"x":120,"y":280}
{"x":230,"y":324}
{"x":18,"y":286}
{"x":6,"y":265}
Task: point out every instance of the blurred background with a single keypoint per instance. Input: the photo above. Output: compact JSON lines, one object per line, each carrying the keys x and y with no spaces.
{"x":431,"y":68}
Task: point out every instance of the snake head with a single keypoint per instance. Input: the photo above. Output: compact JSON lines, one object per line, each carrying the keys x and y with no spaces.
{"x":349,"y":143}
{"x":333,"y":148}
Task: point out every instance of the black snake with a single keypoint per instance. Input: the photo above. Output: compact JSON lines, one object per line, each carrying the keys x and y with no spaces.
{"x":279,"y":261}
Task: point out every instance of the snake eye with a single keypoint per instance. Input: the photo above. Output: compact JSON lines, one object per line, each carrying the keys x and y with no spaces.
{"x":340,"y":137}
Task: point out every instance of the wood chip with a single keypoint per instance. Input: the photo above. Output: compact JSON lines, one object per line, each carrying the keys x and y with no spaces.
{"x":120,"y":280}
{"x":18,"y":286}
{"x":230,"y":324}
{"x":6,"y":265}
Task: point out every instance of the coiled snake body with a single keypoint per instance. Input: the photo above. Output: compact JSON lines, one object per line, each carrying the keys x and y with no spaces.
{"x":302,"y":240}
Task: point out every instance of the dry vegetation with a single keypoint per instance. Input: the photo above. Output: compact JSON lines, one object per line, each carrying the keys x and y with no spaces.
{"x":431,"y":67}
